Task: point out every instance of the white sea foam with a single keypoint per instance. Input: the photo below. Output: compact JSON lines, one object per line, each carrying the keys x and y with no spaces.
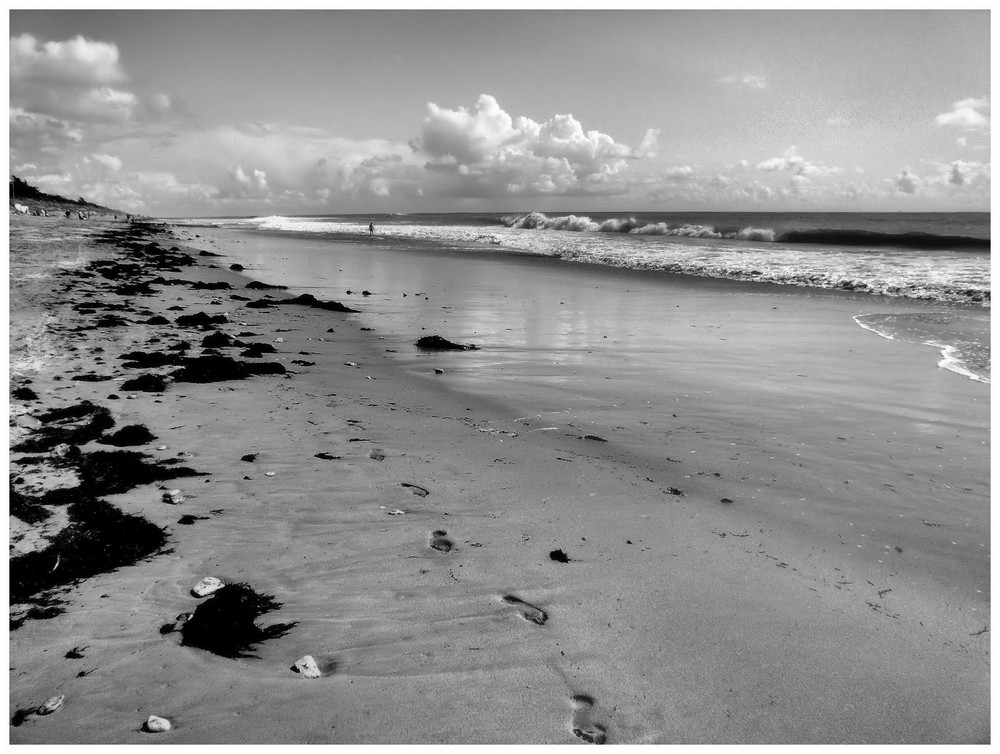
{"x":931,"y":329}
{"x":692,"y":249}
{"x":952,"y":360}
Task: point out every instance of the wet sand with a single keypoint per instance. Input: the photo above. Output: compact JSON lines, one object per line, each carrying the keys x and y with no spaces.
{"x":407,"y":525}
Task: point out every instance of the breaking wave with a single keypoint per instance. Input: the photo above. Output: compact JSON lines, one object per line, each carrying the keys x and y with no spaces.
{"x":824,"y":236}
{"x":751,"y":253}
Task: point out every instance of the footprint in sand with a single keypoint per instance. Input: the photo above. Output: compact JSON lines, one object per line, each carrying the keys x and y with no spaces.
{"x":583,"y":726}
{"x":415,"y":489}
{"x":528,"y":611}
{"x":440,"y":541}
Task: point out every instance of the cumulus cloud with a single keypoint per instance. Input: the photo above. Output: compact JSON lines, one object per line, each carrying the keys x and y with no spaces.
{"x":108,"y":161}
{"x":71,"y":92}
{"x":485,"y":152}
{"x":961,"y":174}
{"x":789,"y":160}
{"x":971,"y":114}
{"x":679,"y":173}
{"x":244,"y":184}
{"x":907,"y":182}
{"x":78,"y":61}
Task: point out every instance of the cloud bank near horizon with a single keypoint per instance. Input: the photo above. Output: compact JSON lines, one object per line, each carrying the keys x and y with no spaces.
{"x":81,"y":126}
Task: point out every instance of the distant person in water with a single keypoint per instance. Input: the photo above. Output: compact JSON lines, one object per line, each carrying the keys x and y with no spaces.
{"x":371,"y":229}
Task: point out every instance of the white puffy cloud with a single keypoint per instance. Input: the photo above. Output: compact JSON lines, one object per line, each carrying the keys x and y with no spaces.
{"x":907,"y":182}
{"x":971,"y":114}
{"x":485,"y":152}
{"x":960,"y":175}
{"x":679,"y":173}
{"x":64,"y":92}
{"x":244,"y":184}
{"x":790,"y":160}
{"x":108,"y":161}
{"x":77,"y":61}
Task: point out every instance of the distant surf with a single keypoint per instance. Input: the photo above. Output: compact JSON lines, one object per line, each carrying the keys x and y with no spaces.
{"x":935,"y":256}
{"x":829,"y":236}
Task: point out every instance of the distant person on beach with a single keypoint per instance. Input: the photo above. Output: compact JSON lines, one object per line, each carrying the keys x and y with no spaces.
{"x":371,"y":229}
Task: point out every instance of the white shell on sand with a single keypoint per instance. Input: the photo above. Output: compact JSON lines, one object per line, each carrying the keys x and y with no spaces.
{"x":350,"y":364}
{"x":307,"y":667}
{"x":207,"y":586}
{"x":268,"y":473}
{"x":396,"y":512}
{"x":156,"y":724}
{"x":161,"y":447}
{"x":279,"y":340}
{"x":51,"y":704}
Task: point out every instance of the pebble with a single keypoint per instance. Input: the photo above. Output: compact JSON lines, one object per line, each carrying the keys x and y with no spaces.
{"x":161,"y":447}
{"x":207,"y":586}
{"x":268,"y":473}
{"x":350,"y":364}
{"x":156,"y":724}
{"x":438,"y":371}
{"x":51,"y":704}
{"x":396,"y":512}
{"x":173,"y":497}
{"x":279,"y":340}
{"x":307,"y":667}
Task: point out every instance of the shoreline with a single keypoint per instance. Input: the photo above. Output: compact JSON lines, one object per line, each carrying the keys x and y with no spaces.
{"x":662,"y":626}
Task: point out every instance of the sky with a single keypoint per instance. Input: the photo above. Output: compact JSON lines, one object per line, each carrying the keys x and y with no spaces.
{"x":177,"y":113}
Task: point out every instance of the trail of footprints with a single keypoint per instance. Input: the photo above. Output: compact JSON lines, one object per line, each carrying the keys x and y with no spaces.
{"x":581,"y":723}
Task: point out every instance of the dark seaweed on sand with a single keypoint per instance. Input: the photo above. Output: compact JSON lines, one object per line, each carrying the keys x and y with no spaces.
{"x":24,"y":394}
{"x":27,"y":509}
{"x":437,"y":343}
{"x":73,"y":425}
{"x":112,"y":471}
{"x":99,"y":538}
{"x":148,"y":383}
{"x":132,"y":434}
{"x":307,"y":299}
{"x":222,"y":368}
{"x":225,"y":624}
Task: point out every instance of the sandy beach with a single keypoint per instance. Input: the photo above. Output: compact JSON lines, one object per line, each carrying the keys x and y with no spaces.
{"x":742,"y":556}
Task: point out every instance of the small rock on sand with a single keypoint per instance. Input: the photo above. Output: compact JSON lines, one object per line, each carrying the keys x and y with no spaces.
{"x":207,"y":586}
{"x":156,"y":724}
{"x":51,"y":705}
{"x":174,"y":497}
{"x":307,"y":667}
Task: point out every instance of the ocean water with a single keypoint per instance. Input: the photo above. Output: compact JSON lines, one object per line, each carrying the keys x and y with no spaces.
{"x":937,"y":258}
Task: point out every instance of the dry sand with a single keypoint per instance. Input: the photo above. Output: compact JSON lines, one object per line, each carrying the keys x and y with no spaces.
{"x":677,"y":618}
